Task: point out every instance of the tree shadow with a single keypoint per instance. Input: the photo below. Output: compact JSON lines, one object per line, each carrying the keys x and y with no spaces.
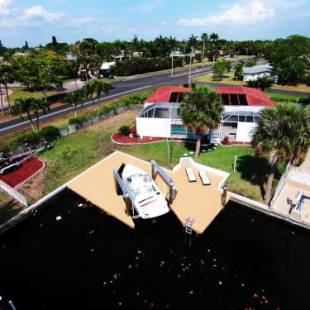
{"x":254,"y":169}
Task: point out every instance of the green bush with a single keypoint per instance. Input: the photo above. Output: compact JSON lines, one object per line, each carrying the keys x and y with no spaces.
{"x":78,"y":120}
{"x":143,"y":65}
{"x":31,"y":137}
{"x":124,"y":130}
{"x":50,"y":133}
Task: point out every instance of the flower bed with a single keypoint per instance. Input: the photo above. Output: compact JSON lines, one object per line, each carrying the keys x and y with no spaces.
{"x":128,"y":140}
{"x":24,"y":173}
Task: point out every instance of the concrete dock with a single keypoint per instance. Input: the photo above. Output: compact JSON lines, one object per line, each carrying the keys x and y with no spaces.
{"x":195,"y":201}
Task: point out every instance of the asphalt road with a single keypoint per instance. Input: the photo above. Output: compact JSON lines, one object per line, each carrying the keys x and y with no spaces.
{"x":120,"y":88}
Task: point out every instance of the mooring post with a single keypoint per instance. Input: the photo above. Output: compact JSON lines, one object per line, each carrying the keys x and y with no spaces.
{"x":224,"y":196}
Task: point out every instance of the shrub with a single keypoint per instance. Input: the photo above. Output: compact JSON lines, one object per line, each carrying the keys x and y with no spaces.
{"x":124,"y":130}
{"x":50,"y":133}
{"x":143,"y":65}
{"x":78,"y":120}
{"x":31,"y":138}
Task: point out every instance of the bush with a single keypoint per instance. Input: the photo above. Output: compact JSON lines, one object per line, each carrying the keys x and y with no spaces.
{"x":124,"y":130}
{"x":143,"y":65}
{"x":78,"y":120}
{"x":31,"y":138}
{"x":50,"y":133}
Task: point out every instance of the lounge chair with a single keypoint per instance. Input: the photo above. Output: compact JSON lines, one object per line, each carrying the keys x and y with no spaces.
{"x":204,"y":177}
{"x":190,"y":175}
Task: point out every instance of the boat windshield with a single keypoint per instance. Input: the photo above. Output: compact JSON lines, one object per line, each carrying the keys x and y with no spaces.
{"x":141,"y":183}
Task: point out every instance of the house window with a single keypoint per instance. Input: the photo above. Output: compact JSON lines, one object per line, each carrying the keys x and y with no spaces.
{"x":178,"y":130}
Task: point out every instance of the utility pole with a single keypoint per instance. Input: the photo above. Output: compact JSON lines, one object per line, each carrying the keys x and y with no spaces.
{"x":190,"y":67}
{"x":172,"y":65}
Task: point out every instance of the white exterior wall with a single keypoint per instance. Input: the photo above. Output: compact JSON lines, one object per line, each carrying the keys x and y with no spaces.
{"x":153,"y":127}
{"x":254,"y":77}
{"x":245,"y":131}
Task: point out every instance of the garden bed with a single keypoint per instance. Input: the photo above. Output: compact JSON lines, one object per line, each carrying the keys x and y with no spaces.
{"x":27,"y":170}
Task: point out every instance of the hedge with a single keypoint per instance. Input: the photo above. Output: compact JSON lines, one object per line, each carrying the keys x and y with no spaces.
{"x":144,"y":65}
{"x":104,"y":110}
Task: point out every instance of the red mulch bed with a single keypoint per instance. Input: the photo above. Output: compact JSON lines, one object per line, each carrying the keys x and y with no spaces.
{"x":118,"y":138}
{"x":24,"y":172}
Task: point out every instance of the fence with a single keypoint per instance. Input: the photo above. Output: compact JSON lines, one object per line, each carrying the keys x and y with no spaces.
{"x":70,"y":129}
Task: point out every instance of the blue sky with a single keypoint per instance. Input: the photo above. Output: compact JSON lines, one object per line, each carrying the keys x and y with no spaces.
{"x":71,"y":20}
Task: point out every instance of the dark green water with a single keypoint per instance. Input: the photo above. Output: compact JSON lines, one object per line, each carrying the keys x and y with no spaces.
{"x":90,"y":261}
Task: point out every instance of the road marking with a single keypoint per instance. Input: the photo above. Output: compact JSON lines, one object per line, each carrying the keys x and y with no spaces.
{"x":71,"y":108}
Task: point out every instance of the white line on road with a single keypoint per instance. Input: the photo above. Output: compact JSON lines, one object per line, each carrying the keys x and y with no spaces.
{"x":71,"y":108}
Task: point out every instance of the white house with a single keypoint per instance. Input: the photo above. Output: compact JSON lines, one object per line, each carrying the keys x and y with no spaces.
{"x":161,"y":117}
{"x":256,"y":72}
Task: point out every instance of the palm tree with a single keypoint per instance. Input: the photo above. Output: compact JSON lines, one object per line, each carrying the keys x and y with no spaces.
{"x":73,"y":98}
{"x":6,"y":77}
{"x":201,"y":110}
{"x":204,"y":38}
{"x":214,"y":37}
{"x":100,"y":88}
{"x":89,"y":89}
{"x":30,"y":106}
{"x":283,"y":134}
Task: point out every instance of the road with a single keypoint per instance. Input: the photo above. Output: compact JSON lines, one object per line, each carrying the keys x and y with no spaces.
{"x":120,"y":88}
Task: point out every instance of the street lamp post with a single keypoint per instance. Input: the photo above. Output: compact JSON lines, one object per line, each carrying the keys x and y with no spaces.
{"x":191,"y":55}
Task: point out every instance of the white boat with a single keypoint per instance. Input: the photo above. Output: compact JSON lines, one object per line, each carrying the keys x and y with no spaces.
{"x":145,"y":195}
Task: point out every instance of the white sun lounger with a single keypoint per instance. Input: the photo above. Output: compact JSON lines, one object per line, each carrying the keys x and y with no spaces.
{"x":204,"y":177}
{"x":190,"y":175}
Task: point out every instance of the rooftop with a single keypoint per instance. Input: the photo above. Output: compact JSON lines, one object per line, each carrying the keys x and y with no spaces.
{"x":164,"y":94}
{"x":257,"y":69}
{"x":254,"y":96}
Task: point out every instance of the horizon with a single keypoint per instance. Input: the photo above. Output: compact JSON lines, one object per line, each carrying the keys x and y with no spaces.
{"x":123,"y":19}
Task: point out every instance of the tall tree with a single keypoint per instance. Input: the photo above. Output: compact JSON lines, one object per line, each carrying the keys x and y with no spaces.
{"x":6,"y":77}
{"x":32,"y":108}
{"x":214,"y":49}
{"x":73,"y":98}
{"x":204,"y":38}
{"x":54,"y":41}
{"x":40,"y":71}
{"x":100,"y":88}
{"x":290,"y":58}
{"x":283,"y":134}
{"x":201,"y":110}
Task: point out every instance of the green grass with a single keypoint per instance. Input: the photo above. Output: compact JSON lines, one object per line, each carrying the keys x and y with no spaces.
{"x":23,"y":93}
{"x":247,"y":180}
{"x":283,"y":97}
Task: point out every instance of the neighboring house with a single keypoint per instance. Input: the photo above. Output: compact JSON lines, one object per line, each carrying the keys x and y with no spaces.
{"x":253,"y":73}
{"x":161,"y":117}
{"x":71,"y":56}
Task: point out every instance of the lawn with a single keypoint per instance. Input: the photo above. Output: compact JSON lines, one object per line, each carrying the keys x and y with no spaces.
{"x":23,"y":93}
{"x":283,"y":97}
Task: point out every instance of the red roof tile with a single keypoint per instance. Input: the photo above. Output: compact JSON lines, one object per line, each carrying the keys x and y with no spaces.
{"x":255,"y":97}
{"x":163,"y":94}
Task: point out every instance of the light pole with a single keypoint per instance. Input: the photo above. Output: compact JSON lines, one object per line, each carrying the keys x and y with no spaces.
{"x":172,"y":65}
{"x":191,"y":55}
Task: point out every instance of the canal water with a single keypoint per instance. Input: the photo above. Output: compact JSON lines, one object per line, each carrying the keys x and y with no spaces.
{"x":70,"y":257}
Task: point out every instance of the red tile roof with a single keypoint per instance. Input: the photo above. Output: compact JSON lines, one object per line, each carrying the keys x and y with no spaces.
{"x":163,"y":94}
{"x":254,"y":96}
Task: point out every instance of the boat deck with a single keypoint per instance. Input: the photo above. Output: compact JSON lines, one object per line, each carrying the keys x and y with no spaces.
{"x":200,"y":203}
